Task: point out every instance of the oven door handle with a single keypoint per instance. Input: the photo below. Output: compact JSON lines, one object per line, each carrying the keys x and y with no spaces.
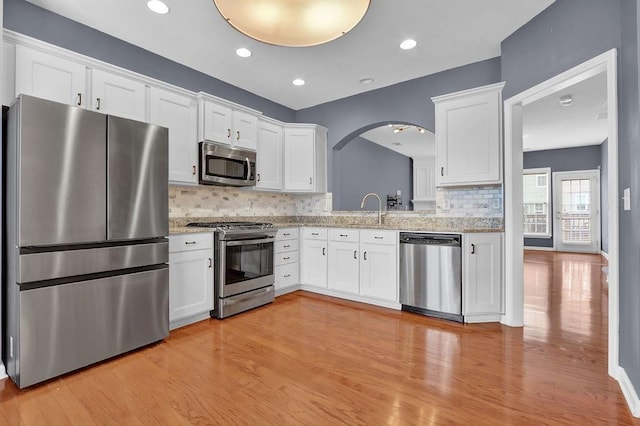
{"x":244,"y":242}
{"x":233,"y":301}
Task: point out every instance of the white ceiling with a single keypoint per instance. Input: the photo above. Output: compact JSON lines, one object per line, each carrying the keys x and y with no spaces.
{"x":548,"y":125}
{"x":450,"y":33}
{"x":412,"y":143}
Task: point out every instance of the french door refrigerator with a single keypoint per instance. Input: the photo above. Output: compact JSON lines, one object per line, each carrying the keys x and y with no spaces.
{"x":87,"y":220}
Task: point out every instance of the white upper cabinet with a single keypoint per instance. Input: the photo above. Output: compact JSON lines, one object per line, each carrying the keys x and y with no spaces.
{"x":469,"y":136}
{"x":178,"y":112}
{"x":117,"y":95}
{"x":224,"y":124}
{"x":305,"y":154}
{"x":269,"y":156}
{"x":50,"y":77}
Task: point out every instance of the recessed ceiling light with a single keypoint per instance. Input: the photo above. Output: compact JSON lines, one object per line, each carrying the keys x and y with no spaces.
{"x":367,"y":80}
{"x":158,"y":7}
{"x":420,"y":130}
{"x":298,"y":82}
{"x":243,"y":52}
{"x":408,"y":44}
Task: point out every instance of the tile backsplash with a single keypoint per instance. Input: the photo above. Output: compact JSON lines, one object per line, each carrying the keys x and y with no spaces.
{"x":219,"y":201}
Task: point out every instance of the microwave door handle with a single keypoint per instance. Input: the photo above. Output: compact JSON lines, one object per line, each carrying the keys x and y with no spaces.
{"x":247,"y":174}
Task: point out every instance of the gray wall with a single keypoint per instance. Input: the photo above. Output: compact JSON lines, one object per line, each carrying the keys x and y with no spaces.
{"x":560,"y":160}
{"x":566,"y":34}
{"x":362,"y":166}
{"x":25,"y":18}
{"x":408,"y":102}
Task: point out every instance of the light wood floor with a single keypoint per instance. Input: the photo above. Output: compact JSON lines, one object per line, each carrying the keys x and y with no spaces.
{"x":313,"y":360}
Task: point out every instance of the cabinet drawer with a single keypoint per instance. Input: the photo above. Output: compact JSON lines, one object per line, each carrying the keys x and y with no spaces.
{"x":286,"y":245}
{"x":314,"y":233}
{"x":287,"y":234}
{"x":351,"y":235}
{"x":284,"y":258}
{"x":287,"y":275}
{"x":188,"y":242}
{"x":378,"y":237}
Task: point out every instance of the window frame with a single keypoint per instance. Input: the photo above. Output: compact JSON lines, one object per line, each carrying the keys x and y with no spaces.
{"x":535,"y":171}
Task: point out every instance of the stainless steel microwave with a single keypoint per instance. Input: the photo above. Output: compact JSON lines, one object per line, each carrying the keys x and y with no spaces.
{"x":223,"y":165}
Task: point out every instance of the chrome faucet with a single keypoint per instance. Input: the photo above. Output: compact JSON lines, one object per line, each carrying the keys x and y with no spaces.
{"x":373,"y":194}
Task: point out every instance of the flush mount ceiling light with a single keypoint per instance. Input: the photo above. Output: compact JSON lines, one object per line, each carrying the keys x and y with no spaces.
{"x":367,"y":80}
{"x":158,"y":7}
{"x":397,"y":128}
{"x":293,"y":23}
{"x":298,"y":82}
{"x":566,"y":100}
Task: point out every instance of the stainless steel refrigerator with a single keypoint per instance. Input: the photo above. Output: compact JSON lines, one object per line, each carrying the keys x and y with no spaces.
{"x":87,"y":220}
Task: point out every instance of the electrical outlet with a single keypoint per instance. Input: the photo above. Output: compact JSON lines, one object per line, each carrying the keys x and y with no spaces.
{"x":495,"y":204}
{"x":446,"y":204}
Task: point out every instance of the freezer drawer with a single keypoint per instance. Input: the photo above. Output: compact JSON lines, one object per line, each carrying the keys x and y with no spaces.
{"x":66,"y":327}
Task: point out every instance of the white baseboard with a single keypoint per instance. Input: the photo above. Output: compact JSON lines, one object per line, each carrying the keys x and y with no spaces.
{"x":605,"y":254}
{"x":539,"y":248}
{"x":285,"y":290}
{"x":628,"y":391}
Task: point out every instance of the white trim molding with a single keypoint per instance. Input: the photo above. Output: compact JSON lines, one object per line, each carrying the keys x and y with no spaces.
{"x":628,"y":391}
{"x":539,"y":248}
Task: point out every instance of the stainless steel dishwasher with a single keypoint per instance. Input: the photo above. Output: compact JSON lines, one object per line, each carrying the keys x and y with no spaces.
{"x":431,"y":274}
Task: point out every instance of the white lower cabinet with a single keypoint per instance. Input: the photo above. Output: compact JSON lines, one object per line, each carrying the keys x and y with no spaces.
{"x":313,"y":257}
{"x":364,"y":263}
{"x":286,"y":260}
{"x":190,"y":278}
{"x":482,"y":277}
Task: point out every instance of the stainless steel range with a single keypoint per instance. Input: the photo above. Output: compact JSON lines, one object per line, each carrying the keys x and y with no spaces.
{"x":244,"y":276}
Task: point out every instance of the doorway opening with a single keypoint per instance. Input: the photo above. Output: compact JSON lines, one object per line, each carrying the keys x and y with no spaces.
{"x":513,"y":188}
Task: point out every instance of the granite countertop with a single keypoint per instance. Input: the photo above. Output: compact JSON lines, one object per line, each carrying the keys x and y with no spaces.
{"x":395,"y":223}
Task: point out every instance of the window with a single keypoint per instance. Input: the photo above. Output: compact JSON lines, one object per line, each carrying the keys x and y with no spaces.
{"x":536,"y":195}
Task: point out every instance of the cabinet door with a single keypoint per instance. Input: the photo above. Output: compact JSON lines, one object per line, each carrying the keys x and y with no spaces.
{"x":178,"y":113}
{"x":269,"y":156}
{"x":190,"y":283}
{"x":482,"y":287}
{"x":344,"y":266}
{"x":468,"y":139}
{"x":379,"y":271}
{"x":50,"y":77}
{"x":245,"y":130}
{"x":299,"y":159}
{"x":117,"y":95}
{"x":313,"y":266}
{"x":217,"y":122}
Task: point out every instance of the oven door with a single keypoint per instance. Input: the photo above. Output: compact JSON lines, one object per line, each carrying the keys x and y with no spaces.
{"x":220,"y":165}
{"x":244,"y":265}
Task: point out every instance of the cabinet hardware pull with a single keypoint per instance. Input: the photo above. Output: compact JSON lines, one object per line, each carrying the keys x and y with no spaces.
{"x":98,"y":104}
{"x":258,"y":177}
{"x":441,"y":171}
{"x":238,"y":135}
{"x":324,"y":251}
{"x":189,"y":242}
{"x":210,"y":263}
{"x":287,"y":246}
{"x":286,"y":234}
{"x":286,"y":258}
{"x":344,"y":235}
{"x":365,"y":255}
{"x":314,"y":233}
{"x":287,"y":275}
{"x":473,"y":249}
{"x":79,"y":99}
{"x":355,"y":254}
{"x":379,"y":238}
{"x":310,"y":181}
{"x":193,"y":170}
